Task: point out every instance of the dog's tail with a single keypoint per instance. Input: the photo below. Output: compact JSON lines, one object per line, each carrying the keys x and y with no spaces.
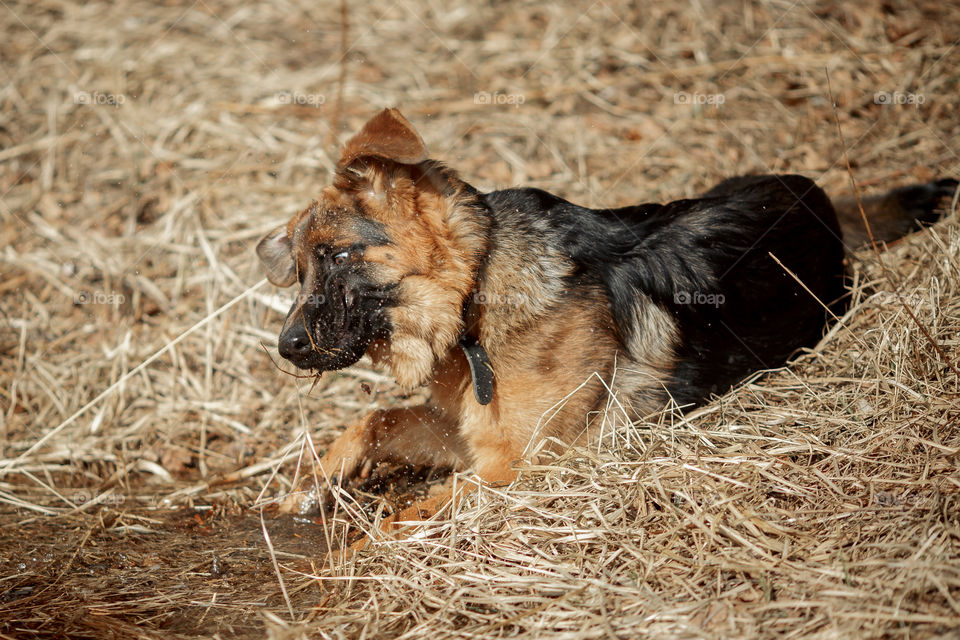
{"x":894,"y":214}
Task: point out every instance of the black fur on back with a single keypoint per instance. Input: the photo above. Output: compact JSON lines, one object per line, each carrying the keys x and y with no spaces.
{"x":707,"y":261}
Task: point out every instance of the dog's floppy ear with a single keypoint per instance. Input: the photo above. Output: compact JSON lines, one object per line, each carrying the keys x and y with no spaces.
{"x":388,"y":136}
{"x":277,"y":258}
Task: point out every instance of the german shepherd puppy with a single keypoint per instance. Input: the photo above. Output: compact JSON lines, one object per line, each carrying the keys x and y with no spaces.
{"x":513,"y":305}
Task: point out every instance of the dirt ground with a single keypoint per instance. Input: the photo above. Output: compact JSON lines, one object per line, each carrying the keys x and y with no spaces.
{"x":146,"y":430}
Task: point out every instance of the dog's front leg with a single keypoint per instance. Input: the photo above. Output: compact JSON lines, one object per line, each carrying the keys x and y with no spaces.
{"x":419,"y":436}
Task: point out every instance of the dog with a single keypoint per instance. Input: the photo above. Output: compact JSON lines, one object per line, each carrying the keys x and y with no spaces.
{"x":523,"y":312}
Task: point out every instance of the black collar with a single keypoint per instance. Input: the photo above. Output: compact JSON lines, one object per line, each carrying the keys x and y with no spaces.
{"x":480,"y":368}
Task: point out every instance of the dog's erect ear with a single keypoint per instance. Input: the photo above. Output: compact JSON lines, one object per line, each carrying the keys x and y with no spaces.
{"x":277,"y":258}
{"x":388,"y":136}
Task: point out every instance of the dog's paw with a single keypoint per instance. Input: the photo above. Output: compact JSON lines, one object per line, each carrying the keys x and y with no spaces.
{"x":346,"y":459}
{"x":306,"y":501}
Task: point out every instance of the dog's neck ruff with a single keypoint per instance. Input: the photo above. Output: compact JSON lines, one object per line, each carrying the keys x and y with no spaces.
{"x":481,"y":371}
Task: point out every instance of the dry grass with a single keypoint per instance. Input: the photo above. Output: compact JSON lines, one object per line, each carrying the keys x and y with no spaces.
{"x":144,"y":148}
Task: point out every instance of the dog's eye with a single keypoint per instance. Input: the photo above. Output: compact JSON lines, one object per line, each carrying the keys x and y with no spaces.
{"x":341,"y":258}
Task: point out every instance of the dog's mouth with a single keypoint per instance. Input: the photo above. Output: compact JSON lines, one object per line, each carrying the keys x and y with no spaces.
{"x":334,"y":330}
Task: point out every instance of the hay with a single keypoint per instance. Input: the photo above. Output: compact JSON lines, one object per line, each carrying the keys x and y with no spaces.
{"x":144,"y":148}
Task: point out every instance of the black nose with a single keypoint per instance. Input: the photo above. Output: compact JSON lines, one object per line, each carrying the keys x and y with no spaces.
{"x":294,"y":343}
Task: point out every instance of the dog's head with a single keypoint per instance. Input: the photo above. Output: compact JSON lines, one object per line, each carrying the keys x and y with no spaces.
{"x":387,"y":253}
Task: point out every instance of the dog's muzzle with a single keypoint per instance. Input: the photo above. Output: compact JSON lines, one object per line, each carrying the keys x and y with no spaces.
{"x":333,"y":330}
